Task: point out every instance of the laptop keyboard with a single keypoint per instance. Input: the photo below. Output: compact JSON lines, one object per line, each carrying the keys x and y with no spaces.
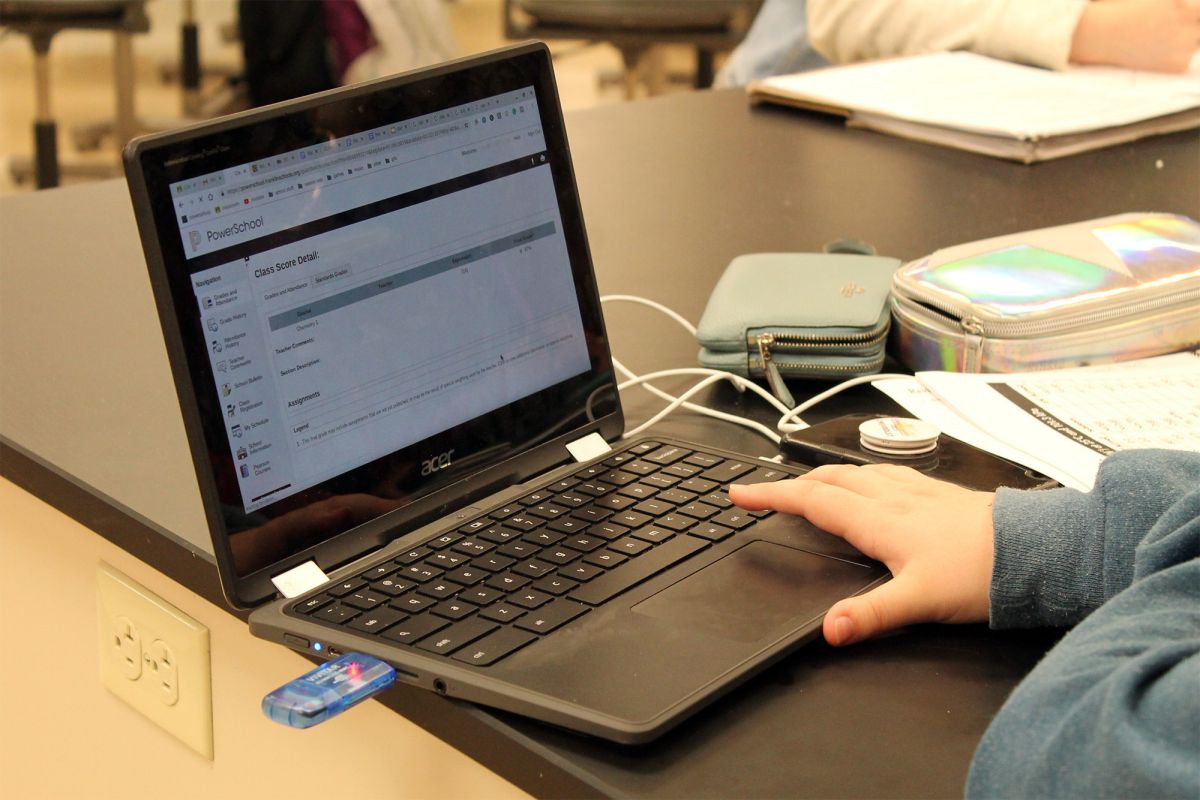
{"x":513,"y":575}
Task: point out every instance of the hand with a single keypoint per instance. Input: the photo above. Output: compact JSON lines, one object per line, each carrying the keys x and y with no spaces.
{"x":935,"y":537}
{"x":1158,"y":35}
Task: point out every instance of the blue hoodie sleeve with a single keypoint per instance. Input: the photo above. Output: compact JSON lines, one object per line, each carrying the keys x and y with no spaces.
{"x":1114,"y":709}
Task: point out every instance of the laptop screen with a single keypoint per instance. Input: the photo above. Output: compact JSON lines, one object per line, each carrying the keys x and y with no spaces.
{"x":378,"y":292}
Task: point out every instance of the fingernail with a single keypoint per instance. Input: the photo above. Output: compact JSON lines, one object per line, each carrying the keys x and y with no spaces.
{"x":843,"y":630}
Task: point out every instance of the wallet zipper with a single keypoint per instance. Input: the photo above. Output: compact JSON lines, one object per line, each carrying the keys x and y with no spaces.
{"x":792,"y":342}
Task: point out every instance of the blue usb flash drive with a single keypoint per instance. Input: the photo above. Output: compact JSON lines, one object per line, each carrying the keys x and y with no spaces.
{"x":328,"y":690}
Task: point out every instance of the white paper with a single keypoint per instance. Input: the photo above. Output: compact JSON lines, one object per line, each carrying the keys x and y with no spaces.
{"x":970,"y":92}
{"x":1064,"y":422}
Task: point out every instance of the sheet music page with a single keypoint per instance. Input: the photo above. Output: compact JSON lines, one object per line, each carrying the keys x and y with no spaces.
{"x":1064,"y":422}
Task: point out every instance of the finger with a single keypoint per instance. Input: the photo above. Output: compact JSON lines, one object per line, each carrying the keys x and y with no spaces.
{"x":873,"y":480}
{"x":837,"y":510}
{"x":897,"y":603}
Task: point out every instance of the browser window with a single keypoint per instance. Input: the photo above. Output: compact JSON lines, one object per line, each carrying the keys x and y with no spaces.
{"x":322,"y":276}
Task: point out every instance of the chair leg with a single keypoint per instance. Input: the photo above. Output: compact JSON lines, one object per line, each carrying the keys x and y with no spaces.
{"x":45,"y":131}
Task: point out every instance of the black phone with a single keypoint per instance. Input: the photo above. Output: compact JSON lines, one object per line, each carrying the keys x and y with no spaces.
{"x":837,"y":442}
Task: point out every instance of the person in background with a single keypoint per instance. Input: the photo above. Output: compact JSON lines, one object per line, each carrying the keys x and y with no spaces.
{"x":1113,"y":710}
{"x":1157,"y":35}
{"x":776,"y":44}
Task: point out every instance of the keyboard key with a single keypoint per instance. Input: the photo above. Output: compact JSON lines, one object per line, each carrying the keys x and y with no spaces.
{"x":630,"y":546}
{"x":493,"y":562}
{"x":594,"y":488}
{"x":533,"y":568}
{"x":711,"y":532}
{"x":421,"y":573}
{"x":591,"y":513}
{"x":346,"y":587}
{"x":676,"y":522}
{"x":475,"y":526}
{"x":540,"y":496}
{"x":619,"y":459}
{"x":585,"y":543}
{"x":312,"y":604}
{"x":727,"y":471}
{"x":336,"y":613}
{"x":544,"y":537}
{"x":702,"y":460}
{"x":559,"y":555}
{"x":698,"y":485}
{"x":607,"y":531}
{"x":502,"y":612}
{"x":551,"y":616}
{"x":457,"y":635}
{"x":508,"y":582}
{"x":523,"y":522}
{"x":718,"y":499}
{"x":411,"y":603}
{"x":473,"y":547}
{"x":618,"y":477}
{"x":376,"y":621}
{"x":641,"y":448}
{"x":520,"y":549}
{"x":639,"y":491}
{"x":660,"y":481}
{"x":548,"y":510}
{"x":653,"y":534}
{"x":530,"y":598}
{"x":446,"y":560}
{"x":735,"y":519}
{"x":444,"y":541}
{"x":555,"y":584}
{"x":365,"y":599}
{"x":616,"y":502}
{"x":413,"y":556}
{"x":572,"y":499}
{"x":375,"y":573}
{"x":467,"y":576}
{"x":567,"y":525}
{"x":453,"y":609}
{"x":498,"y":534}
{"x":506,"y":511}
{"x":393,"y":587}
{"x":480,"y":595}
{"x":676,"y":496}
{"x":414,"y":629}
{"x":764,"y":475}
{"x":699,"y":510}
{"x":681,"y":471}
{"x":494,"y":647}
{"x":581,"y":571}
{"x":655,"y":508}
{"x":639,"y":467}
{"x":667,"y":454}
{"x":633,"y":572}
{"x":439,"y":590}
{"x":604,"y":558}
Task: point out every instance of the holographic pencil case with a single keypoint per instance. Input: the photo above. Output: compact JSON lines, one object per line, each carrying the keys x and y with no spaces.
{"x":1092,"y":292}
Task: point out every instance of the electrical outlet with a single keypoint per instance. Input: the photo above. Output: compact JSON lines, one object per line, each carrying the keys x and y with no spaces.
{"x":155,"y":658}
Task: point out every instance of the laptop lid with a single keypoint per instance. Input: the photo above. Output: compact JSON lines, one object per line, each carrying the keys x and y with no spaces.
{"x":378,"y":304}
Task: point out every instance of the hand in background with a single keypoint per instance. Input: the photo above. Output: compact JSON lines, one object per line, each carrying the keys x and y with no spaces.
{"x":1158,"y":35}
{"x":935,"y":537}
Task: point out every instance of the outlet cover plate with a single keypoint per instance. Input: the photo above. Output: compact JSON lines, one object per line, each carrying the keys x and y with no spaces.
{"x":174,"y":686}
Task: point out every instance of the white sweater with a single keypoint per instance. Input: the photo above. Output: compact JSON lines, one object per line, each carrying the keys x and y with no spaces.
{"x":1034,"y":32}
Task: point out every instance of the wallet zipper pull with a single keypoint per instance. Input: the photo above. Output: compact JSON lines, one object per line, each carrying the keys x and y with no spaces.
{"x":774,"y":379}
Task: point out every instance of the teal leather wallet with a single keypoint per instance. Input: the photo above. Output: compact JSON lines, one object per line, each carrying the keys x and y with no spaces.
{"x":798,"y":315}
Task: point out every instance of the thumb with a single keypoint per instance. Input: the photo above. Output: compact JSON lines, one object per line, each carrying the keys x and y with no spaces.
{"x":893,"y":605}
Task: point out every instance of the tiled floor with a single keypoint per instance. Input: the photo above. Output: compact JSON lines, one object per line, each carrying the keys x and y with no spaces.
{"x":81,"y":72}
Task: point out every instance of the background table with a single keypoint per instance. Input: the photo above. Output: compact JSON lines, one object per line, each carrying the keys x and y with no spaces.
{"x":672,"y":189}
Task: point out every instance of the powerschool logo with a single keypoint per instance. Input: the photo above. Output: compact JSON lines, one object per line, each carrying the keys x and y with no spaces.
{"x":436,"y":463}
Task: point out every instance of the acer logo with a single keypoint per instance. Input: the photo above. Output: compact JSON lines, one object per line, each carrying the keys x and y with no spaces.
{"x":437,"y":462}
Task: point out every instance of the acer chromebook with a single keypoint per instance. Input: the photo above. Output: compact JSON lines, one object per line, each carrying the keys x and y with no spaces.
{"x":387,"y":342}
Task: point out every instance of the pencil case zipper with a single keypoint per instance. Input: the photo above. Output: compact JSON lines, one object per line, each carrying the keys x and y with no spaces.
{"x":768,"y":344}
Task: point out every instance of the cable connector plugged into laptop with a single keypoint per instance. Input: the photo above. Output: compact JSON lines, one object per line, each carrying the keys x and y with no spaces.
{"x":328,"y":690}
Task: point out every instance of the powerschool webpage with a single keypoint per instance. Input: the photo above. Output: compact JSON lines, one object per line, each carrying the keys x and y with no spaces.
{"x":354,"y":333}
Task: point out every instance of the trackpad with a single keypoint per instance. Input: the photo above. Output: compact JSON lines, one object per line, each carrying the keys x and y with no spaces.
{"x":757,"y":593}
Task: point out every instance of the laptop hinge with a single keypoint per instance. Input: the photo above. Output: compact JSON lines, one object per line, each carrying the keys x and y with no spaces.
{"x":298,"y":580}
{"x":588,"y":447}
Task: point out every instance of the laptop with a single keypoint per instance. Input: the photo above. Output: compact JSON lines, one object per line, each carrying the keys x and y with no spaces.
{"x":385,"y":333}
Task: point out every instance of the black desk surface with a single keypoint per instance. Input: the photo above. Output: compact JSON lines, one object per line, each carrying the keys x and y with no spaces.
{"x":672,"y":189}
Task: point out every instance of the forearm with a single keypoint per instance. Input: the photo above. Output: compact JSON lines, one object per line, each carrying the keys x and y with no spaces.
{"x":1034,"y":32}
{"x":1113,"y":710}
{"x":1060,"y":554}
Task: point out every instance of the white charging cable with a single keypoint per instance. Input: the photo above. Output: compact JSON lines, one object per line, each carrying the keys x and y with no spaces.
{"x":789,"y":421}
